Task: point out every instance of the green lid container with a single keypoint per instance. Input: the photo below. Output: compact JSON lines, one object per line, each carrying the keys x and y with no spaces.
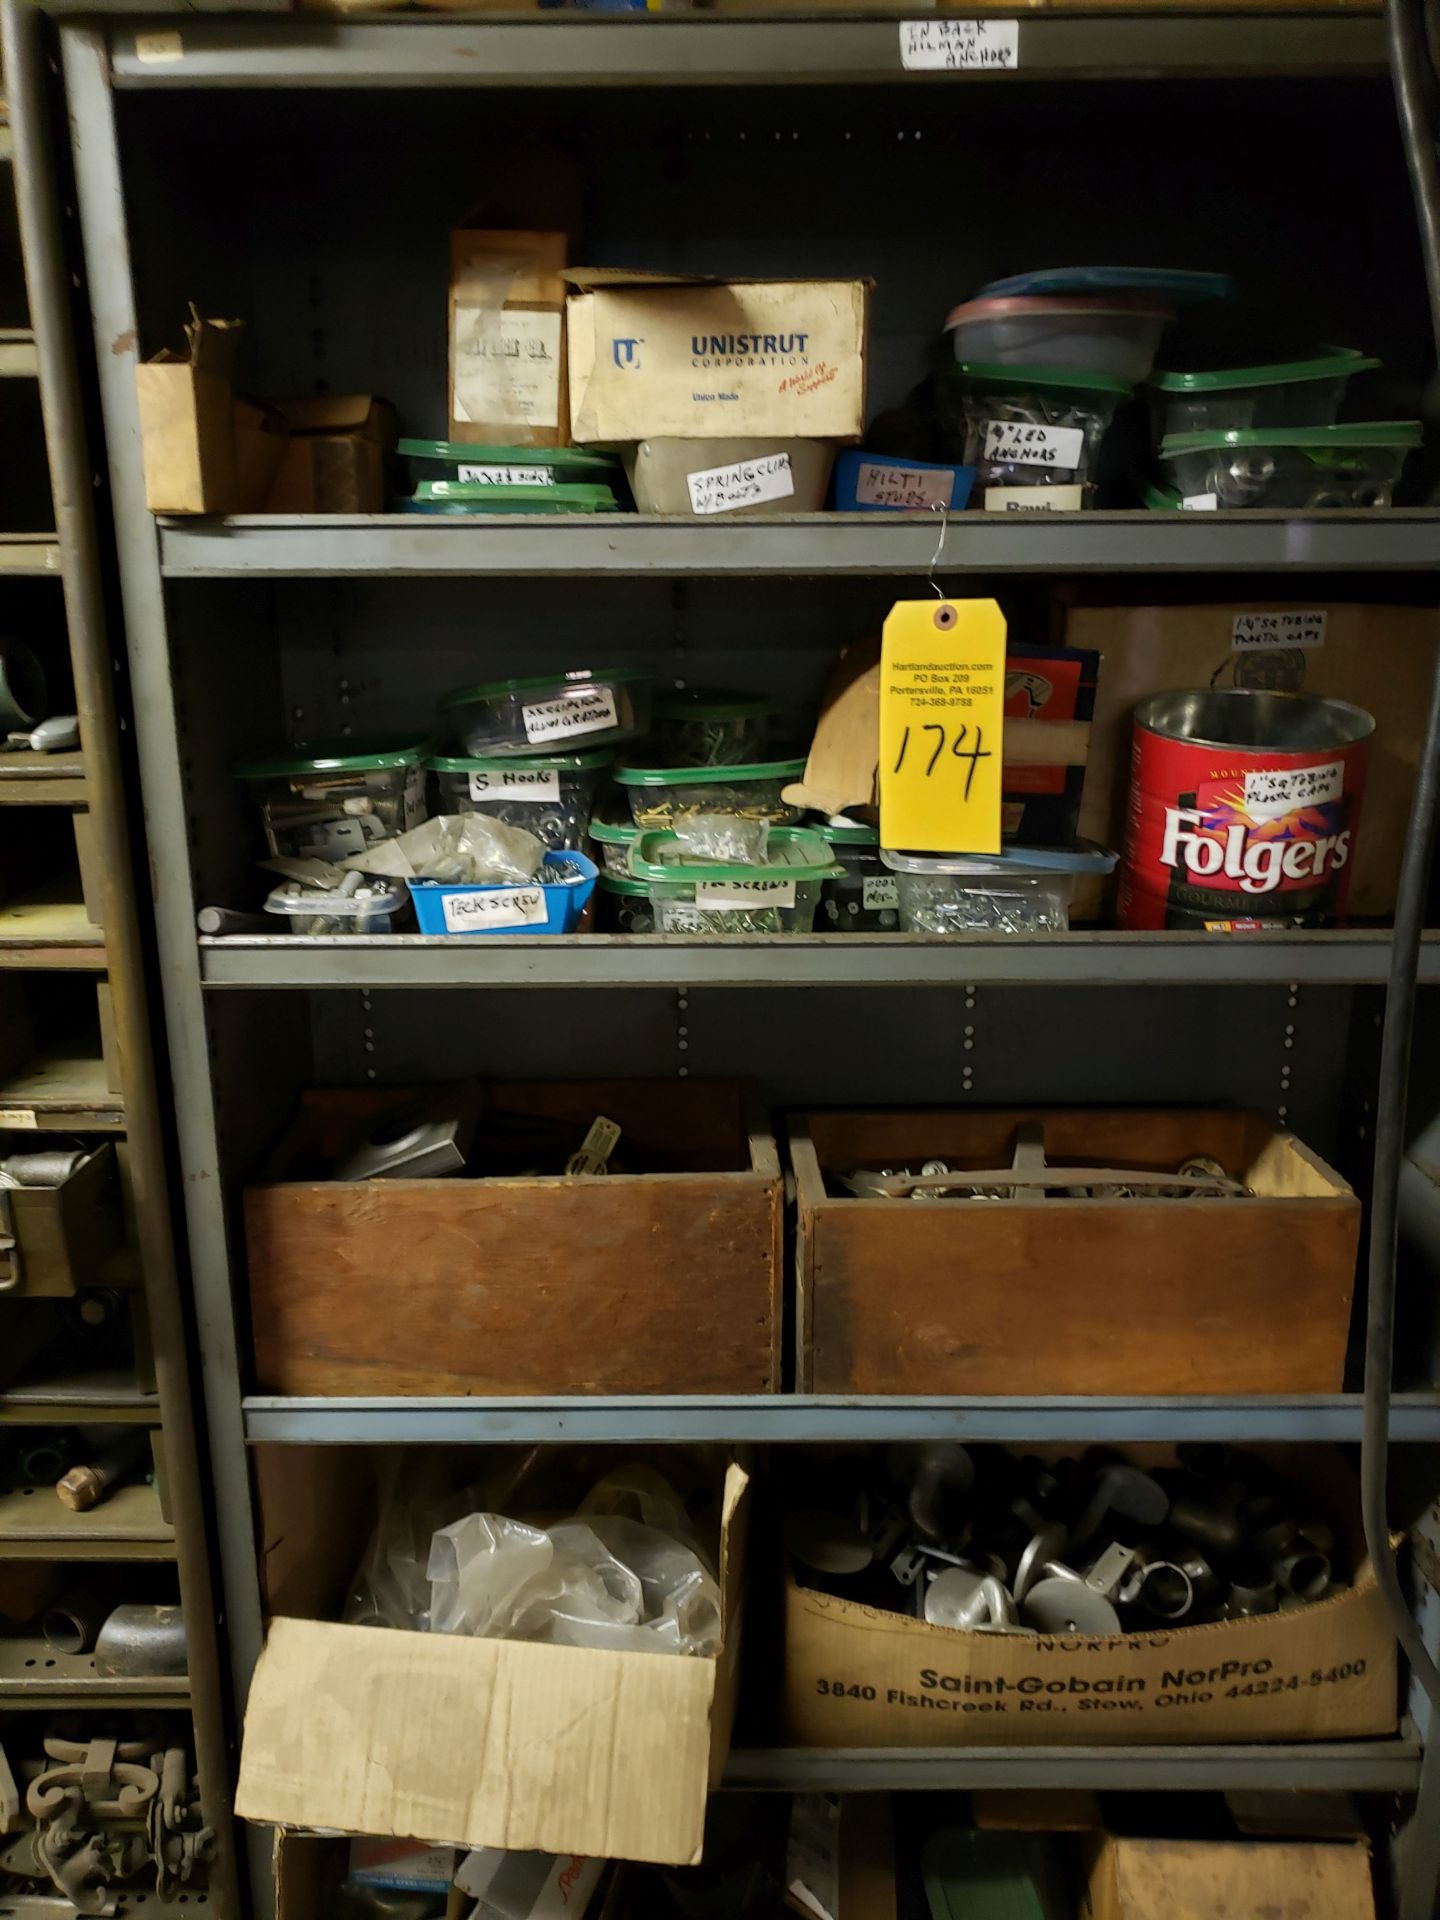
{"x":1317,"y":443}
{"x":1332,"y":363}
{"x":850,"y":833}
{"x":480,"y":497}
{"x":796,"y":853}
{"x":367,"y":753}
{"x":983,"y":377}
{"x":455,"y":453}
{"x":712,"y":703}
{"x":614,"y":833}
{"x":708,"y":776}
{"x":521,"y":762}
{"x":531,"y":683}
{"x":623,"y":883}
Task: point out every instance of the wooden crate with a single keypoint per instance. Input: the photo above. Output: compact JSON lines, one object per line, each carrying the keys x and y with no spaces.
{"x":1130,"y":1296}
{"x":665,"y":1281}
{"x":66,"y":1236}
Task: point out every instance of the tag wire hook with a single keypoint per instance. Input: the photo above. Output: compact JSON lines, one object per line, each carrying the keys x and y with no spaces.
{"x":944,"y":511}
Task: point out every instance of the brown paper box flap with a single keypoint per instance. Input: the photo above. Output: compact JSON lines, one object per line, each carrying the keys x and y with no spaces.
{"x":598,"y":279}
{"x":1196,"y":1879}
{"x":516,"y":267}
{"x":210,"y":345}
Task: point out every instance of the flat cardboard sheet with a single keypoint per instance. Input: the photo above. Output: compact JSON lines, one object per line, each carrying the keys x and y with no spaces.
{"x":1212,"y":1880}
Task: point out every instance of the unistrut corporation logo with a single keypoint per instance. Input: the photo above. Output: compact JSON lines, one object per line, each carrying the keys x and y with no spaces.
{"x":626,"y":353}
{"x":748,"y":349}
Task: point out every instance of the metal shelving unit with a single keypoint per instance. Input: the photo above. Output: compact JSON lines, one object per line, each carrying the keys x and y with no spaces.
{"x":65,"y":1087}
{"x":241,"y":626}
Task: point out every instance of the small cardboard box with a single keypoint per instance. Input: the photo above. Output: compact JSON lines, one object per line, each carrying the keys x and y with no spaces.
{"x":855,"y":1676}
{"x":654,"y":357}
{"x":1236,"y":1295}
{"x":334,"y":461}
{"x":1379,"y":658}
{"x":1208,"y":1879}
{"x":204,"y":450}
{"x":507,"y":338}
{"x":495,"y":1743}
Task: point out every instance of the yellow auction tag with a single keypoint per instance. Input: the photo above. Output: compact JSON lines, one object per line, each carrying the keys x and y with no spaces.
{"x":942,"y":718}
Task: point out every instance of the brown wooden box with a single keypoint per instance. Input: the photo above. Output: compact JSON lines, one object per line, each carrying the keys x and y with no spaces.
{"x":1130,"y":1296}
{"x":65,"y":1237}
{"x":654,"y":1282}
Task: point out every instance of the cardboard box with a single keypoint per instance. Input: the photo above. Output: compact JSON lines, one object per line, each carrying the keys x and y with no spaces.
{"x":203,"y":449}
{"x":658,"y":1282}
{"x":1378,"y":657}
{"x":653,"y":357}
{"x":334,"y":461}
{"x":1210,"y":1879}
{"x":495,"y":1743}
{"x":1246,"y":1295}
{"x":858,"y":1677}
{"x":507,"y":338}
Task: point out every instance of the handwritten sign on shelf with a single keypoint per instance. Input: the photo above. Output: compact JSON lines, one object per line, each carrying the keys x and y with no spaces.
{"x":942,"y":704}
{"x":959,"y":46}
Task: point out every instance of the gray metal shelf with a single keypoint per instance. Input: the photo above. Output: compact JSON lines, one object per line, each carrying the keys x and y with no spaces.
{"x":701,"y":52}
{"x":818,"y":1418}
{"x":1354,"y":1766}
{"x":1347,"y":958}
{"x":324,"y":546}
{"x":36,"y":1675}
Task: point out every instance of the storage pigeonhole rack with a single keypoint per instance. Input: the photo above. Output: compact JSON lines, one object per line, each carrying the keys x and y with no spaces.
{"x":94,"y":1320}
{"x":302,"y":172}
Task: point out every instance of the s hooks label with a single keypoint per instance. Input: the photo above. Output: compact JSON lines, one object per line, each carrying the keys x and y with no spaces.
{"x":959,"y":46}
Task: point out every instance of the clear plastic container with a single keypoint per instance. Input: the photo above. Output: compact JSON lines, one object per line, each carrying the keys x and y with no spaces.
{"x":550,"y":712}
{"x":1175,"y":286}
{"x":611,"y":841}
{"x":1292,"y":393}
{"x":1355,"y":465}
{"x":659,"y":796}
{"x":623,"y":905}
{"x":337,"y":798}
{"x":1022,"y":890}
{"x":552,"y":796}
{"x":864,"y":897}
{"x":1117,"y":334}
{"x":707,"y":727}
{"x":1030,"y":427}
{"x":376,"y":906}
{"x":779,"y":897}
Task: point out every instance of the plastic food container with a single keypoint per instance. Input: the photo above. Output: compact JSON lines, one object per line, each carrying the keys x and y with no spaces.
{"x":509,"y":466}
{"x":660,"y":795}
{"x":1294,"y":393}
{"x":864,"y":896}
{"x":887,"y":483}
{"x":623,"y":905}
{"x":378,"y":906}
{"x":1313,"y":467}
{"x":1175,"y":286}
{"x":704,"y":477}
{"x":551,"y":904}
{"x":548,"y":711}
{"x":613,"y":840}
{"x":339,"y":797}
{"x":550,"y":795}
{"x":1021,"y":890}
{"x":1118,"y":334}
{"x":779,"y":897}
{"x":706,"y":727}
{"x":1031,"y":428}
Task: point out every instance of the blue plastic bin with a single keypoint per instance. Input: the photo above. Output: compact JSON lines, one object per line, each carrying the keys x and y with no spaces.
{"x":541,"y":906}
{"x":884,"y":483}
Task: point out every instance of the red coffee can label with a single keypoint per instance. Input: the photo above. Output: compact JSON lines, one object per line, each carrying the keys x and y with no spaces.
{"x":1238,"y":838}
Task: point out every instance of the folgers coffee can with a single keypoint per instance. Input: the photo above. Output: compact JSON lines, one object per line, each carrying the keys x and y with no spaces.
{"x":1244,"y":806}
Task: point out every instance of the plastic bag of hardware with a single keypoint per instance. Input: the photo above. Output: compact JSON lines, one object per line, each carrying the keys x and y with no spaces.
{"x":605,"y":1582}
{"x":392,"y":1586}
{"x":723,"y":837}
{"x":467,"y":849}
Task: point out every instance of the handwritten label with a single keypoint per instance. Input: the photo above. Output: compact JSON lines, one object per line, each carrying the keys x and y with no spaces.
{"x":528,"y":788}
{"x":748,"y":482}
{"x":1062,"y":499}
{"x":24,"y":1117}
{"x":1024,"y":443}
{"x":507,"y":476}
{"x":1272,"y":792}
{"x":492,"y":907}
{"x":586,"y":710}
{"x":903,"y":489}
{"x":151,"y":48}
{"x":735,"y":895}
{"x":1200,"y":503}
{"x":1254,"y":632}
{"x":880,"y":895}
{"x":959,"y":46}
{"x":942,"y":717}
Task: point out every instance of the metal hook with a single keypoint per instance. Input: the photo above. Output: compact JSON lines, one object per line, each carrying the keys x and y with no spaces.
{"x":944,"y":511}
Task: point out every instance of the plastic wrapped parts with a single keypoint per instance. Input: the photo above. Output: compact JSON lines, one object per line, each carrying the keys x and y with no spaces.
{"x":551,"y":713}
{"x":334,"y":799}
{"x":697,"y":897}
{"x":1021,"y":890}
{"x":1302,"y":468}
{"x":1289,"y":393}
{"x":707,"y":727}
{"x":1032,"y":433}
{"x":551,"y":796}
{"x":661,"y":796}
